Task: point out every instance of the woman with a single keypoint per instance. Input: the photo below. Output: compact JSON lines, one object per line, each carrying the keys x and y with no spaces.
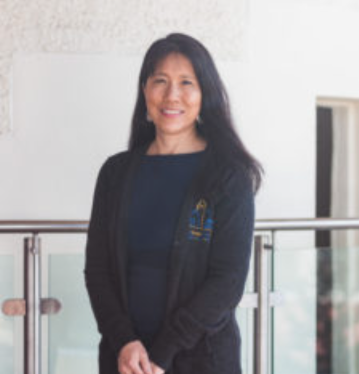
{"x":171,"y":226}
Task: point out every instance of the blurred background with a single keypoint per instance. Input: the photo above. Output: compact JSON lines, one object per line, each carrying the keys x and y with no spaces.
{"x":68,"y":77}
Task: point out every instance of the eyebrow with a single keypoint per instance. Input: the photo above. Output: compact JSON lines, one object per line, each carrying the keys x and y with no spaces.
{"x":165,"y":75}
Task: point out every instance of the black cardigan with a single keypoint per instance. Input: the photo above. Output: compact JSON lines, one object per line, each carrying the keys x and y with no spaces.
{"x":207,"y":270}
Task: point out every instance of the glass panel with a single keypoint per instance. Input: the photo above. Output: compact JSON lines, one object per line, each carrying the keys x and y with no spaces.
{"x":7,"y":325}
{"x":73,"y":337}
{"x":245,"y":319}
{"x":316,"y":330}
{"x":294,"y":326}
{"x":343,"y":307}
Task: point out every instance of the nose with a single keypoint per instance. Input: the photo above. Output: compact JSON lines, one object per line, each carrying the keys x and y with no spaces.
{"x":172,"y":91}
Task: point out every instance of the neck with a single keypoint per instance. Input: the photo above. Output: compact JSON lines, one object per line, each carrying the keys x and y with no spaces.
{"x":175,"y":145}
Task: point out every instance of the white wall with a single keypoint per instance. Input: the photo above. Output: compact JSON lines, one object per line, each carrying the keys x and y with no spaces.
{"x":70,"y":113}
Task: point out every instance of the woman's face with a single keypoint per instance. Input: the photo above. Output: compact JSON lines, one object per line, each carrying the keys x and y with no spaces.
{"x":173,"y":96}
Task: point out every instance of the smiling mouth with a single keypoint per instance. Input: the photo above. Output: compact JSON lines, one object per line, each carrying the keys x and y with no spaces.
{"x":171,"y":112}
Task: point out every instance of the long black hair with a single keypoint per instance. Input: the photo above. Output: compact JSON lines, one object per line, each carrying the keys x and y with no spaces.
{"x":217,"y":124}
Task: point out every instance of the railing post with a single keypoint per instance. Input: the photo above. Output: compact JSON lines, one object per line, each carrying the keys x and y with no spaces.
{"x":32,"y":290}
{"x":261,"y":320}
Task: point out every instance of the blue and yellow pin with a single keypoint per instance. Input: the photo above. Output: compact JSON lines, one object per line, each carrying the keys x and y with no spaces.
{"x":201,"y":222}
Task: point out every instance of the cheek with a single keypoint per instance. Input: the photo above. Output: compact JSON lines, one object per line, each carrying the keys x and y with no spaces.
{"x":193,"y":97}
{"x":151,"y":96}
{"x":195,"y":102}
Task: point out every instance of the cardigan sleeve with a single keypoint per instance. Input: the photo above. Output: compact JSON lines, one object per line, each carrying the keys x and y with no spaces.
{"x":227,"y":271}
{"x":112,"y":322}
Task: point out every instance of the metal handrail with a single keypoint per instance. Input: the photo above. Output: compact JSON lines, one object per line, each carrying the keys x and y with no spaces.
{"x":307,"y":224}
{"x":44,"y":226}
{"x":81,"y":226}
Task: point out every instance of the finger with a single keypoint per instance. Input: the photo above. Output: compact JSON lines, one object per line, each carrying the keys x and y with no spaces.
{"x":146,"y":365}
{"x":156,"y":369}
{"x":124,"y":370}
{"x":135,"y":368}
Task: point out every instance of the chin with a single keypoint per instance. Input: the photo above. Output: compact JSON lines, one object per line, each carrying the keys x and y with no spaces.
{"x":174,"y":128}
{"x":173,"y":131}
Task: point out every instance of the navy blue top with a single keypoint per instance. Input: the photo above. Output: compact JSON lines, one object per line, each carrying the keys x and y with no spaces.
{"x":158,"y":193}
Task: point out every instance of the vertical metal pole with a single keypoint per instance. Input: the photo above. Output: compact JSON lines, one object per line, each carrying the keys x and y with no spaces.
{"x":271,"y":328}
{"x":33,"y":304}
{"x":261,"y":324}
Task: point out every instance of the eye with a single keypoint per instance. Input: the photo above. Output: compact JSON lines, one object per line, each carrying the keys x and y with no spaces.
{"x":159,"y":80}
{"x":186,"y":82}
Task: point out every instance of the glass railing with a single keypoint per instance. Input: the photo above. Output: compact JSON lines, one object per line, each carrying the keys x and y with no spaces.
{"x":294,"y":322}
{"x":7,"y":326}
{"x":311,"y":312}
{"x":316,"y":329}
{"x":299,"y":314}
{"x":69,"y":337}
{"x":11,"y":287}
{"x":72,"y":333}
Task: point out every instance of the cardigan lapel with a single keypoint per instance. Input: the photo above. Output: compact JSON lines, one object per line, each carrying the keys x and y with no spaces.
{"x":125,"y":180}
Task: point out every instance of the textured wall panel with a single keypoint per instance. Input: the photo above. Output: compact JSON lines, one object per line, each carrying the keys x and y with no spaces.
{"x":118,"y":26}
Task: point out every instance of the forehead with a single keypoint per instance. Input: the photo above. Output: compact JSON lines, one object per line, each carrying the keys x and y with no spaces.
{"x":175,"y":63}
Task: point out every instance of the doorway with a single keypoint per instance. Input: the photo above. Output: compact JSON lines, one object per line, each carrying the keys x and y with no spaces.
{"x":337,"y":196}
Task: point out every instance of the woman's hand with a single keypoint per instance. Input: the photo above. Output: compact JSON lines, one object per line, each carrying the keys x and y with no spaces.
{"x":156,"y":369}
{"x":133,"y":359}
